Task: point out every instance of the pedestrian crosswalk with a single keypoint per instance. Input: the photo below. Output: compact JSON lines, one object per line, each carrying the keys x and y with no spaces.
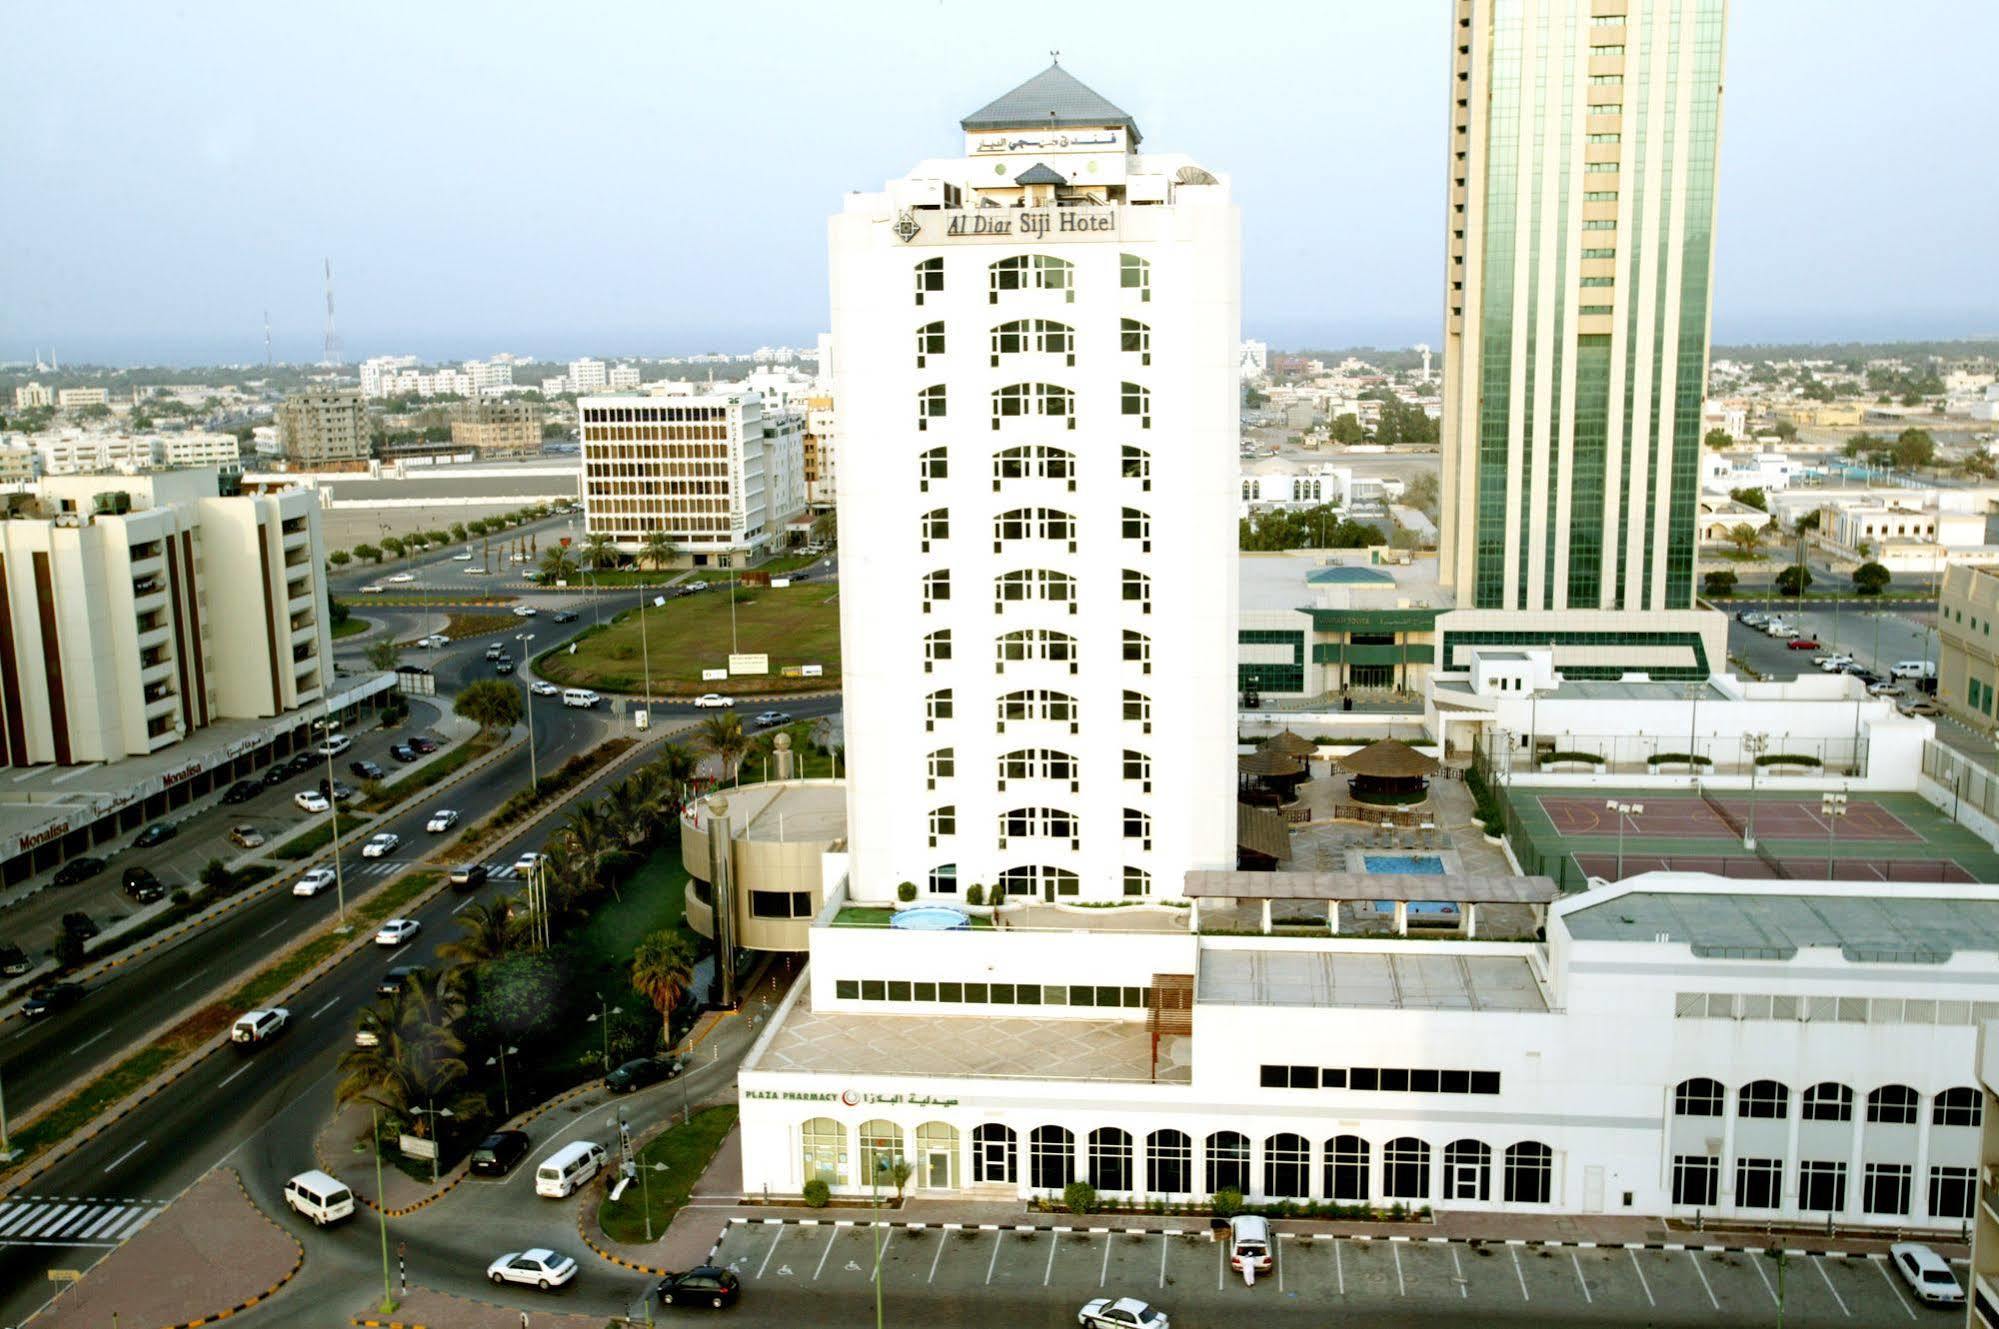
{"x":389,"y":867}
{"x":72,"y":1220}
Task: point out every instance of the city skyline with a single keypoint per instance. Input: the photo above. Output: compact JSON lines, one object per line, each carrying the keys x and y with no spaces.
{"x":238,"y":218}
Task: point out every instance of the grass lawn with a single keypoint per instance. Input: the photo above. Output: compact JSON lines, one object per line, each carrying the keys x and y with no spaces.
{"x":354,"y":626}
{"x":796,"y":625}
{"x":874,"y":916}
{"x":459,"y":626}
{"x":646,"y":576}
{"x":439,"y":769}
{"x":686,"y":1150}
{"x":654,"y":898}
{"x":320,"y":836}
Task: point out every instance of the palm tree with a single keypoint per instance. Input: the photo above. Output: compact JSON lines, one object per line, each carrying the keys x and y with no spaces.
{"x":1745,"y":537}
{"x":491,"y":932}
{"x":677,"y":767}
{"x":490,"y":704}
{"x":627,"y":808}
{"x":596,"y":843}
{"x":662,"y":969}
{"x":558,"y":565}
{"x":599,"y":552}
{"x":723,"y":736}
{"x":657,"y":549}
{"x":416,"y":1058}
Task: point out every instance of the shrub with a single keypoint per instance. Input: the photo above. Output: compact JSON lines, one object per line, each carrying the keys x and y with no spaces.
{"x":1227,"y":1202}
{"x":1079,"y":1197}
{"x":1787,"y":759}
{"x":906,"y":892}
{"x":817,"y":1193}
{"x":1679,"y":758}
{"x":975,"y":894}
{"x":1593,"y":758}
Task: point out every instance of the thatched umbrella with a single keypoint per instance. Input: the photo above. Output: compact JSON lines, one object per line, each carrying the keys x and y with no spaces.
{"x":1388,"y":771}
{"x":1290,"y":743}
{"x":1277,"y":772}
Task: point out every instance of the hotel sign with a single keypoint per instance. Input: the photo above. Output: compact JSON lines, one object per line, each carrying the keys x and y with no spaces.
{"x":1000,"y":226}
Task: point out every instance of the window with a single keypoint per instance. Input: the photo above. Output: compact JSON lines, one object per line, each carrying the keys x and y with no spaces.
{"x":932,"y":465}
{"x":943,"y":821}
{"x":823,"y":1146}
{"x":1530,"y":1173}
{"x":1135,"y":274}
{"x":1892,"y":1105}
{"x":1884,"y":1188}
{"x":936,"y":526}
{"x":1020,"y":399}
{"x":1347,"y":1169}
{"x":1137,"y":465}
{"x":929,"y":277}
{"x":937,"y":706}
{"x":1599,"y":281}
{"x":1405,"y":1169}
{"x":1034,"y":335}
{"x":1951,"y":1191}
{"x":1040,"y":879}
{"x":930,"y":405}
{"x":780,"y":904}
{"x":1031,"y":272}
{"x":1110,"y":1159}
{"x":1137,"y":881}
{"x":1287,"y":1167}
{"x":1137,"y":525}
{"x":1606,"y":138}
{"x":1137,"y":400}
{"x":1697,"y":1098}
{"x":1037,"y":704}
{"x":936,"y":648}
{"x":929,"y":342}
{"x":1138,"y":826}
{"x":1696,"y":1180}
{"x":1227,"y":1162}
{"x":1138,"y":768}
{"x":1035,"y":462}
{"x":1169,"y":1163}
{"x":1599,"y":224}
{"x":1137,"y":590}
{"x":1821,"y":1185}
{"x":1029,"y":644}
{"x":1138,"y":710}
{"x":881,"y":1146}
{"x":1050,"y":1158}
{"x":943,"y":881}
{"x":1037,"y":822}
{"x":1135,"y":338}
{"x":1467,"y":1170}
{"x":993,"y":1153}
{"x":1138,"y":650}
{"x":1038,"y":764}
{"x":1759,"y":1183}
{"x":1957,"y":1107}
{"x":1034,"y":524}
{"x":1764,"y":1099}
{"x":1034,"y":584}
{"x":936,"y":587}
{"x":1827,"y":1102}
{"x":1599,"y":253}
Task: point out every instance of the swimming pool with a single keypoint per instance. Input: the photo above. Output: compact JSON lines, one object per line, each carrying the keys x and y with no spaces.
{"x":1404,"y":865}
{"x":931,"y":918}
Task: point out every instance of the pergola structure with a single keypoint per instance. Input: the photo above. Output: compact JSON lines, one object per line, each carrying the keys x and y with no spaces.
{"x":1469,"y":892}
{"x":1279,"y":773}
{"x":1291,"y":744}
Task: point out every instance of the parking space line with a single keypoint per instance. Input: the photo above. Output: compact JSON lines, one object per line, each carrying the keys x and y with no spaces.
{"x":1518,"y":1273}
{"x":1881,"y":1263}
{"x":1277,"y":1258}
{"x":831,"y":1237}
{"x":1048,"y":1270}
{"x":1756,"y":1263}
{"x":1701,"y":1273}
{"x":1577,"y":1261}
{"x":881,"y":1253}
{"x":1339,"y":1266}
{"x":1639,"y":1269}
{"x":935,"y":1258}
{"x":1464,"y":1287}
{"x":1163,"y":1239}
{"x":997,"y":1238}
{"x":1819,"y":1265}
{"x":1104,"y":1273}
{"x":1221,"y":1264}
{"x":1401,"y":1288}
{"x":772,"y":1251}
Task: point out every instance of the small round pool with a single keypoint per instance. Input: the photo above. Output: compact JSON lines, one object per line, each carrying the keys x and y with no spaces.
{"x":931,"y":918}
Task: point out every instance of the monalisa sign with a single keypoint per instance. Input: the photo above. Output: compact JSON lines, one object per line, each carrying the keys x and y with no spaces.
{"x":1005,"y":225}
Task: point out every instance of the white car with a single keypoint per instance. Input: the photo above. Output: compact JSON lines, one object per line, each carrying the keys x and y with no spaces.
{"x":462,"y":556}
{"x":381,"y":844}
{"x":311,"y":800}
{"x":525,"y":865}
{"x":441,"y":821}
{"x":1832,"y":664}
{"x":525,"y":611}
{"x":402,"y":578}
{"x":434,"y":639}
{"x":314,"y":881}
{"x":1926,"y":1273}
{"x":397,"y":931}
{"x":541,"y":687}
{"x":1887,"y":687}
{"x":333,"y":745}
{"x":542,"y":1268}
{"x":1123,"y":1313}
{"x":714,"y":699}
{"x":373,"y":588}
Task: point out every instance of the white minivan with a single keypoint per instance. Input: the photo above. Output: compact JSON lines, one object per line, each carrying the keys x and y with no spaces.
{"x":322,"y":1198}
{"x":1914,"y":669}
{"x":583,"y":697}
{"x":567,"y":1168}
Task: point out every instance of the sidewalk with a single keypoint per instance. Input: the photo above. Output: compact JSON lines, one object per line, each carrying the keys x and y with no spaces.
{"x":425,"y":1309}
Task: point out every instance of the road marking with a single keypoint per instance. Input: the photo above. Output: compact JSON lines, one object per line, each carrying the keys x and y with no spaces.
{"x":831,"y":1237}
{"x":49,"y":1220}
{"x":233,"y":1074}
{"x":185,"y":981}
{"x":324,"y":1009}
{"x":1277,"y":1258}
{"x":935,"y":1258}
{"x":772,"y":1251}
{"x":1702,"y":1274}
{"x":280,"y":924}
{"x":127,"y":1154}
{"x":1054,"y":1240}
{"x":1639,"y":1269}
{"x":1758,"y":1267}
{"x":466,"y":902}
{"x":397,"y":952}
{"x":1401,"y":1288}
{"x":1221,"y":1264}
{"x":88,"y":1041}
{"x":995,"y":1260}
{"x":1163,"y":1239}
{"x":1577,"y":1260}
{"x":1819,"y":1265}
{"x":1881,"y":1263}
{"x":880,"y":1252}
{"x":1104,"y":1273}
{"x":1514,"y":1251}
{"x":1339,"y":1266}
{"x":109,"y":1217}
{"x":1464,"y":1289}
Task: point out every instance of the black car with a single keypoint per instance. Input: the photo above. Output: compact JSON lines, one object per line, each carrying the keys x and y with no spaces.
{"x":503,"y":666}
{"x":398,"y":978}
{"x":337,"y":790}
{"x":468,"y":876}
{"x":243,"y":791}
{"x":158,"y":833}
{"x":424,"y":745}
{"x":48,"y":1000}
{"x":277,"y":775}
{"x":365,"y":770}
{"x":78,"y":869}
{"x":704,"y":1285}
{"x":403,"y":752}
{"x":79,"y":924}
{"x":640,"y":1073}
{"x":143,"y":886}
{"x":13,"y":960}
{"x":564,"y":616}
{"x":300,"y":763}
{"x":498,"y":1152}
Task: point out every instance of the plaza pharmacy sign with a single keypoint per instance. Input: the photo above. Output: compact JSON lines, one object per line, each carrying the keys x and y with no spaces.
{"x":999,"y":226}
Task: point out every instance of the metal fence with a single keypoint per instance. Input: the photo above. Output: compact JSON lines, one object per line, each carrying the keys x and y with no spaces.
{"x":1668,"y":754}
{"x":1972,"y":786}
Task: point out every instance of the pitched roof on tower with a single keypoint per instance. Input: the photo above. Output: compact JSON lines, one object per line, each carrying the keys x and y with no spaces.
{"x":1041,"y":173}
{"x":1052,"y":99}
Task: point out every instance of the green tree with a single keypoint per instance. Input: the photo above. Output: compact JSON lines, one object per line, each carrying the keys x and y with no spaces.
{"x":1745,"y":537}
{"x":1794,"y":580}
{"x":480,"y":527}
{"x":1862,"y":445}
{"x":383,"y":655}
{"x":1786,"y":430}
{"x":416,"y":1059}
{"x":518,"y":996}
{"x":1718,"y":584}
{"x":490,"y":704}
{"x":657,"y":549}
{"x":488,"y":931}
{"x":340,"y":558}
{"x":1720,"y":438}
{"x":369,"y":552}
{"x":558,"y":565}
{"x":1423,"y":493}
{"x":598,"y":552}
{"x":458,"y":530}
{"x":1870,"y":579}
{"x":662,"y":970}
{"x":1346,"y":429}
{"x":1752,"y":497}
{"x":596,"y":843}
{"x":722,"y":736}
{"x":1914,"y":448}
{"x":394,"y":546}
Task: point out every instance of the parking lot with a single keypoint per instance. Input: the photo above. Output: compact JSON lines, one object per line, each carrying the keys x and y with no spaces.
{"x":1377,"y":1281}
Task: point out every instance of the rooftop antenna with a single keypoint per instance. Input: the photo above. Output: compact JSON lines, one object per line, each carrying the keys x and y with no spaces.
{"x":331,"y":354}
{"x":267,"y":339}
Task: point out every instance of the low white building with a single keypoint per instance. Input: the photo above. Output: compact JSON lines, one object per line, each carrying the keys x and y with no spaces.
{"x":70,"y":399}
{"x":587,"y":375}
{"x":624,"y":377}
{"x":1721,"y":472}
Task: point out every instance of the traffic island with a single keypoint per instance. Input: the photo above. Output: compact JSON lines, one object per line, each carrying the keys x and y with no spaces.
{"x":425,"y":1309}
{"x":208,"y":1255}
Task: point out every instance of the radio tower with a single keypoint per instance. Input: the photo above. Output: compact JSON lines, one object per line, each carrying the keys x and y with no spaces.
{"x":267,"y":339}
{"x":331,"y":355}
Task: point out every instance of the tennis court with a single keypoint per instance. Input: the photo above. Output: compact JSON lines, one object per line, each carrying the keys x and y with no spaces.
{"x":1709,"y":816}
{"x":1756,"y":868}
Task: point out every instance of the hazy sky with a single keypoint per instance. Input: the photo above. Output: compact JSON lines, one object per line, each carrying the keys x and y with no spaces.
{"x":654,"y":178}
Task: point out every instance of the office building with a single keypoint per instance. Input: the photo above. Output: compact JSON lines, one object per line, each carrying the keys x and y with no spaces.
{"x":624,"y":377}
{"x":489,"y":378}
{"x":72,"y":399}
{"x":497,"y":428}
{"x":32,"y":397}
{"x":73,"y":451}
{"x":587,"y":376}
{"x":1038,"y":344}
{"x":323,"y":425}
{"x":1580,"y":235}
{"x":822,"y":452}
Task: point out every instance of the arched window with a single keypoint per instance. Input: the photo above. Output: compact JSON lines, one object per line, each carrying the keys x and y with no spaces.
{"x":1036,"y":704}
{"x":936,"y":648}
{"x":1287,"y":1167}
{"x":936,"y":587}
{"x":1031,"y":823}
{"x":929,"y":342}
{"x":929,"y":277}
{"x":1169,"y":1163}
{"x":937,"y":1156}
{"x":1467,"y":1170}
{"x":881,"y":1148}
{"x":943,"y":822}
{"x":1138,"y":590}
{"x":1137,"y":525}
{"x":1135,"y":339}
{"x":1137,"y":881}
{"x":937,"y":706}
{"x":1699,"y":1097}
{"x":1135,"y":274}
{"x":1034,"y":461}
{"x":1405,"y":1169}
{"x":1892,"y":1105}
{"x":1138,"y":827}
{"x":1347,"y":1170}
{"x":823,"y":1149}
{"x":1030,"y":644}
{"x":1826,"y":1102}
{"x":993,"y":1157}
{"x":941,"y":765}
{"x":936,"y":526}
{"x":1031,"y":272}
{"x":944,"y":879}
{"x":1051,"y":1156}
{"x":1138,"y":769}
{"x":1034,"y":524}
{"x":1040,"y":879}
{"x":1138,"y":650}
{"x":1134,"y":400}
{"x":1958,"y":1107}
{"x":1038,"y":764}
{"x":1137,"y":465}
{"x":1227,"y":1162}
{"x":934,"y":464}
{"x":1033,"y":584}
{"x":1110,"y":1159}
{"x":930,"y":405}
{"x":1138,"y":710}
{"x":1530,"y":1173}
{"x":1767,"y":1099}
{"x":1024,"y":336}
{"x":1023,"y":399}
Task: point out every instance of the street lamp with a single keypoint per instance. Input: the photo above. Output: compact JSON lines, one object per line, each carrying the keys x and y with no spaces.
{"x":1832,"y":807}
{"x":1753,"y":744}
{"x":608,"y":1012}
{"x":381,"y":1207}
{"x":534,"y":773}
{"x":333,"y":810}
{"x":875,"y":1227}
{"x":1623,"y":810}
{"x":437,"y":1116}
{"x":506,"y":1099}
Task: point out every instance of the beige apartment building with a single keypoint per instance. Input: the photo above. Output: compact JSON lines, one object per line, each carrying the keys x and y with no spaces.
{"x":73,"y":399}
{"x":1967,"y":650}
{"x":497,"y":428}
{"x":323,"y":425}
{"x":821,"y":452}
{"x":32,"y":396}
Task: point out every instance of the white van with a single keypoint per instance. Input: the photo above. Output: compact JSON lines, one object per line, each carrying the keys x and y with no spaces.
{"x":583,"y":697}
{"x":1914,"y":669}
{"x":567,"y":1168}
{"x":334,"y":745}
{"x":321,"y":1198}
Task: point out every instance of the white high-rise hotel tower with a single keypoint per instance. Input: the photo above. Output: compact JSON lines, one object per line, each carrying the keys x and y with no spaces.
{"x":1037,"y":375}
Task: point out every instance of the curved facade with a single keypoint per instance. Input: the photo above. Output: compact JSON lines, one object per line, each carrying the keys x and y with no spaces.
{"x":779,"y":832}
